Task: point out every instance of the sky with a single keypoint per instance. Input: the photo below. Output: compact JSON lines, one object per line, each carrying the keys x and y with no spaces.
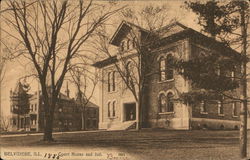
{"x":20,"y":67}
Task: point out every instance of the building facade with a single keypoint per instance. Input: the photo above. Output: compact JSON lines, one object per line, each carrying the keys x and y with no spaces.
{"x":161,"y":108}
{"x":28,"y":112}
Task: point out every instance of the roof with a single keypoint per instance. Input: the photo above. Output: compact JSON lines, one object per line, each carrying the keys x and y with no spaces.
{"x":92,"y":105}
{"x":122,"y":29}
{"x":172,"y":32}
{"x":21,"y":88}
{"x":105,"y":62}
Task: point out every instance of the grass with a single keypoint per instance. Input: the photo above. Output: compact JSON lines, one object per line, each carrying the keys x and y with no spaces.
{"x":145,"y":144}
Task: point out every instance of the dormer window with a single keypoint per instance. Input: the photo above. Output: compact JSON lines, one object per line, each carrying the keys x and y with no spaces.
{"x":122,"y":46}
{"x":128,"y":44}
{"x":134,"y":42}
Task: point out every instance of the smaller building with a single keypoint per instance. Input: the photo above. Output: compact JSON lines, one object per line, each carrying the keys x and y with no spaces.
{"x":27,"y":112}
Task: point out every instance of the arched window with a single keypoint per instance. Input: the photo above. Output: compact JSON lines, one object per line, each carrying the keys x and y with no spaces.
{"x":170,"y":103}
{"x":128,"y":44}
{"x":162,"y":69}
{"x":134,"y":42}
{"x":128,"y":71}
{"x":170,"y":70}
{"x":162,"y":103}
{"x":122,"y":46}
{"x":114,"y":108}
{"x":109,"y":110}
{"x":109,"y":81}
{"x":114,"y":81}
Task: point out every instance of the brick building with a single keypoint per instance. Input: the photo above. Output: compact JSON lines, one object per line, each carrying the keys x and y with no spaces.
{"x":119,"y":109}
{"x":28,"y":113}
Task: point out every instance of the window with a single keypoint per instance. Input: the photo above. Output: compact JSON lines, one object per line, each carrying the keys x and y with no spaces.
{"x":233,"y":73}
{"x":122,"y":46}
{"x":109,"y":81}
{"x":220,"y":108}
{"x":170,"y":103}
{"x":114,"y":81}
{"x":109,"y":110}
{"x":128,"y":44}
{"x":162,"y":103}
{"x":14,"y":121}
{"x":60,"y":109}
{"x":166,"y":68}
{"x":203,"y":108}
{"x":114,"y":108}
{"x":35,"y":107}
{"x":162,"y":67}
{"x":128,"y":68}
{"x":166,"y":103}
{"x":218,"y":70}
{"x":134,"y":42}
{"x":170,"y":71}
{"x":234,"y":109}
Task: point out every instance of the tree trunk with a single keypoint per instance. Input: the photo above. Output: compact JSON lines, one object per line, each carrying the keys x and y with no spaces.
{"x":139,"y":114}
{"x":243,"y":111}
{"x":84,"y":117}
{"x":48,"y":128}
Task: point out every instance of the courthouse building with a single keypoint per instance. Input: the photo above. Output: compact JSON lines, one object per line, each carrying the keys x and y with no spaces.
{"x":118,"y":110}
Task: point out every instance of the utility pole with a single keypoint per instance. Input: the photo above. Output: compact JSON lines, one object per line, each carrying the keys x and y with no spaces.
{"x":243,"y":110}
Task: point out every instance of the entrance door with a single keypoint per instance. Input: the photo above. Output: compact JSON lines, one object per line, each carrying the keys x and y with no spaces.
{"x":130,"y":111}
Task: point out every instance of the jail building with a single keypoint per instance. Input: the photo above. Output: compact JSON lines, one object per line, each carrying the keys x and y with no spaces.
{"x":27,"y":112}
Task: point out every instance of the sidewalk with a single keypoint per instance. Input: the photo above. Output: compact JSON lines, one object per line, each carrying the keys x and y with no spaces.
{"x":54,"y":133}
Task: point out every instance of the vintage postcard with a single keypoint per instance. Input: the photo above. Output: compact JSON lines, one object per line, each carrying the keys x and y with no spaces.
{"x":124,"y":79}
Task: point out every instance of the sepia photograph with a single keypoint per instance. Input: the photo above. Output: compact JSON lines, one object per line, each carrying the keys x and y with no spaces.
{"x":125,"y":79}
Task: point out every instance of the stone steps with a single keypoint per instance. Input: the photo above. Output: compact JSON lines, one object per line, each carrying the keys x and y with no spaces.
{"x":122,"y":126}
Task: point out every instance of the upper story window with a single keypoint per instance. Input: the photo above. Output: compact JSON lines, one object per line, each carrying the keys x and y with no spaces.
{"x":166,"y":68}
{"x":162,"y":69}
{"x":122,"y":46}
{"x":233,"y":73}
{"x":128,"y":71}
{"x":220,"y":108}
{"x":170,"y":70}
{"x":114,"y":81}
{"x":128,"y":44}
{"x":111,"y":81}
{"x":234,"y":109}
{"x":203,"y":108}
{"x":134,"y":42}
{"x":217,"y":70}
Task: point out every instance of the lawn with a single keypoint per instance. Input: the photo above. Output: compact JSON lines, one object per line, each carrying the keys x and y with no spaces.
{"x":133,"y":145}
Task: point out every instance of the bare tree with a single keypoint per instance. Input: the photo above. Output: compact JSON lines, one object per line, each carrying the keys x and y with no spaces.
{"x":52,"y":38}
{"x":133,"y":65}
{"x":5,"y":123}
{"x":85,"y":81}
